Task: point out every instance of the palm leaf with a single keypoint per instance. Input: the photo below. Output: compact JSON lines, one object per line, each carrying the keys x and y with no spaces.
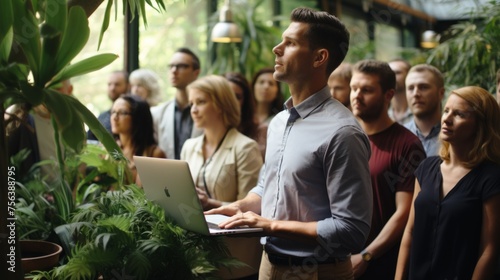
{"x":138,"y":264}
{"x":83,"y":67}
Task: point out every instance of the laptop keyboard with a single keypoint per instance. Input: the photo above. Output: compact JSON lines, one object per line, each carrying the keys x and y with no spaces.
{"x":215,"y":226}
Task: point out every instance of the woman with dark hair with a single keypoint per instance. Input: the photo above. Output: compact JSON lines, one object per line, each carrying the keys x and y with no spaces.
{"x":131,"y":120}
{"x":454,"y":224}
{"x":241,"y":88}
{"x":268,"y":102}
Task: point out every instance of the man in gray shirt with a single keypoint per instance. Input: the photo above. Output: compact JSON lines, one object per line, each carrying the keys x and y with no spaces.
{"x":314,"y":201}
{"x":425,"y":92}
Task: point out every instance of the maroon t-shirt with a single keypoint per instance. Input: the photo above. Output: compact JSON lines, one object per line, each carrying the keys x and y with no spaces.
{"x":396,"y":153}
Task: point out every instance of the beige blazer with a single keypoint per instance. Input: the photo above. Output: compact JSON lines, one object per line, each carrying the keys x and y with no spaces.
{"x":164,"y":127}
{"x":234,"y":168}
{"x":231,"y":174}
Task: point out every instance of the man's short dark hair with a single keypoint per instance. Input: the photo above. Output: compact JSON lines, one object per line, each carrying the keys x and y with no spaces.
{"x":325,"y":31}
{"x":196,"y":60}
{"x":402,"y":60}
{"x":386,"y":76}
{"x":122,"y":72}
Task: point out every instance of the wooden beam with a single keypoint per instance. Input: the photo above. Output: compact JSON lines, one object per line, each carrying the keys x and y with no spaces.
{"x":407,"y":10}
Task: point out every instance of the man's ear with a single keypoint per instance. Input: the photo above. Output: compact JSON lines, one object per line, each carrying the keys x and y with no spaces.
{"x":441,"y":93}
{"x":197,"y":72}
{"x":321,"y":57}
{"x":389,"y":95}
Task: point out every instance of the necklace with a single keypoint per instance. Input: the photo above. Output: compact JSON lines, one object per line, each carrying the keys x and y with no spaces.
{"x":210,"y":160}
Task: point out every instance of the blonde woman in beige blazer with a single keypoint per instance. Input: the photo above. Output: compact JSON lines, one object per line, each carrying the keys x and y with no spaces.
{"x":224,"y":163}
{"x":231,"y":173}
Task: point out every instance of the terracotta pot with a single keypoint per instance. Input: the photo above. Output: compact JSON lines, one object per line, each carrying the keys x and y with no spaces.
{"x":39,"y":255}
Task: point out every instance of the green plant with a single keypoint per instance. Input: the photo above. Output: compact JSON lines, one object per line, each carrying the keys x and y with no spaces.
{"x":94,"y":171}
{"x":38,"y":41}
{"x":34,"y":211}
{"x":43,"y":205}
{"x":471,"y":54}
{"x":122,"y":234}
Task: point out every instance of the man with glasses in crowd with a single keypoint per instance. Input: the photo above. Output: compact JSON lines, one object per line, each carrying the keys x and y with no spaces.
{"x":172,"y":120}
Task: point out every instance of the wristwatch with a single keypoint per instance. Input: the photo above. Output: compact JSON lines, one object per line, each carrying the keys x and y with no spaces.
{"x":366,"y":256}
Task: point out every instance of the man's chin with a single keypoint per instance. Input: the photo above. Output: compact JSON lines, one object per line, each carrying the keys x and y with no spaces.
{"x":278,"y":76}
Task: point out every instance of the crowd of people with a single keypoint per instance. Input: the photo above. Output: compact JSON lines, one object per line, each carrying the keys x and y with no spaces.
{"x":367,"y":171}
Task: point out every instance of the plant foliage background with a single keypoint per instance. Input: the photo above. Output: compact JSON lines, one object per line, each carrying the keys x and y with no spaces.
{"x":122,"y":234}
{"x":470,"y":51}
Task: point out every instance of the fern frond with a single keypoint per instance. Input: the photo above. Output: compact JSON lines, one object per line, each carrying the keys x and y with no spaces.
{"x":138,"y":264}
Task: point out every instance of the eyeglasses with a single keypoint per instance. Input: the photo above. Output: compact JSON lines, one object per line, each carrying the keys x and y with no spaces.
{"x":179,"y":66}
{"x":121,"y":113}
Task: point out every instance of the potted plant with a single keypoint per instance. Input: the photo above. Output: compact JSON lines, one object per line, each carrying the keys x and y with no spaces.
{"x":109,"y":233}
{"x":37,"y":44}
{"x":39,"y":255}
{"x":38,"y":41}
{"x":122,"y":234}
{"x":43,"y":209}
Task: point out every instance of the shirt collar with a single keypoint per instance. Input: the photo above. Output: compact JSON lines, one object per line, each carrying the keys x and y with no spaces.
{"x":434,"y":130}
{"x":306,"y":107}
{"x":178,"y":109}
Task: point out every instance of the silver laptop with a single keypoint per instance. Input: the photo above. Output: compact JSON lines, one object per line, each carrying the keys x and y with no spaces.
{"x":168,"y":182}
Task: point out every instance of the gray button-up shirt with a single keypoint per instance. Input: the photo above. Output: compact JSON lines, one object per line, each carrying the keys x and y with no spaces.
{"x":430,"y":142}
{"x":317,"y":170}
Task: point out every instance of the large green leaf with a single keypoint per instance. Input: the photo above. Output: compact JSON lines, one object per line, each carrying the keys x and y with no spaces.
{"x":74,"y":135}
{"x":55,"y":14}
{"x":50,"y":47}
{"x":51,"y":31}
{"x":84,"y":66}
{"x":26,"y":34}
{"x":6,"y":45}
{"x":95,"y":126}
{"x":6,"y":18}
{"x":68,"y":121}
{"x":6,"y":31}
{"x":59,"y":107}
{"x":74,"y":39}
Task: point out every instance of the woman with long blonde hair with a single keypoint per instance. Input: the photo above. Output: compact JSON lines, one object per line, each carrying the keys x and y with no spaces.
{"x":454,"y":223}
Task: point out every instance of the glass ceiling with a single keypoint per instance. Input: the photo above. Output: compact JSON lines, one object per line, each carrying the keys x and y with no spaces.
{"x":447,"y":9}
